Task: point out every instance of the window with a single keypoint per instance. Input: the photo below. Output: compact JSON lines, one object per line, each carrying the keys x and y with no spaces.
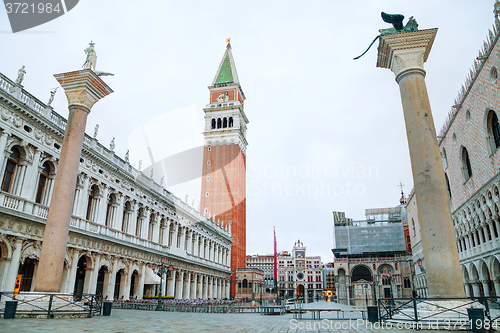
{"x":447,"y":185}
{"x":213,"y":123}
{"x":12,"y":163}
{"x":493,"y":130}
{"x":91,"y":202}
{"x":109,"y":207}
{"x":224,"y":122}
{"x":219,"y":123}
{"x":230,"y":121}
{"x":466,"y":166}
{"x":42,"y":182}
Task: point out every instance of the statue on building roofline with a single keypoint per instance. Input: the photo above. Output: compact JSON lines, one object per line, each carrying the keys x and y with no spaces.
{"x":397,"y":22}
{"x":20,"y":75}
{"x":52,"y":94}
{"x":91,"y":59}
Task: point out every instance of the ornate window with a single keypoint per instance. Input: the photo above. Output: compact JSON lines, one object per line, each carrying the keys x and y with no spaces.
{"x":10,"y":169}
{"x":361,"y":273}
{"x":224,"y":123}
{"x":230,"y":121}
{"x":219,"y":123}
{"x":493,"y":130}
{"x":466,"y":166}
{"x":213,"y":123}
{"x":91,"y":204}
{"x":42,"y":183}
{"x":110,"y":209}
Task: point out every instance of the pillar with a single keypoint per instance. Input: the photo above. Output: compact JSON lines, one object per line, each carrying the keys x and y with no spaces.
{"x":205,"y":287}
{"x":405,"y":53}
{"x":14,"y":265}
{"x":199,"y":288}
{"x":83,"y":88}
{"x":179,"y":284}
{"x":486,"y":288}
{"x":475,"y":289}
{"x":497,"y":286}
{"x":194,"y":283}
{"x":171,"y":284}
{"x":70,"y":287}
{"x":187,"y":286}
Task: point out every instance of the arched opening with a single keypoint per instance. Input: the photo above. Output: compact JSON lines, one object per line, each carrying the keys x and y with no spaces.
{"x":493,"y":130}
{"x":81,"y":271}
{"x":224,"y":123}
{"x":102,"y":277}
{"x":10,"y":169}
{"x":138,"y":226}
{"x":152,"y":220}
{"x":230,"y":121}
{"x":42,"y":182}
{"x":300,"y":290}
{"x":134,"y":284}
{"x":245,"y":283}
{"x":109,"y":209}
{"x":466,"y":165}
{"x":445,"y":158}
{"x":219,"y":123}
{"x":361,"y":273}
{"x":213,"y":123}
{"x":127,"y":210}
{"x":119,"y":280}
{"x":92,"y":203}
{"x":27,"y":270}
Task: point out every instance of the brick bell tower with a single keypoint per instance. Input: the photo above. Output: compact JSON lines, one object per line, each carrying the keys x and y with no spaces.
{"x":223,"y":189}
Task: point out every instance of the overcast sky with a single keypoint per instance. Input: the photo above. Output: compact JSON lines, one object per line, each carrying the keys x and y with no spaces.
{"x":326,"y":133}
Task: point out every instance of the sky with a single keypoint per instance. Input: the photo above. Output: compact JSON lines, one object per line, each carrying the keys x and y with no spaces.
{"x":326,"y":133}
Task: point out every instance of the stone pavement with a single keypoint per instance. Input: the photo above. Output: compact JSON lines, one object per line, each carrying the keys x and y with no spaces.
{"x":139,"y":321}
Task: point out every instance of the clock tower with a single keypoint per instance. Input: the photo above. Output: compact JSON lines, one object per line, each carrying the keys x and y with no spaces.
{"x":223,"y":189}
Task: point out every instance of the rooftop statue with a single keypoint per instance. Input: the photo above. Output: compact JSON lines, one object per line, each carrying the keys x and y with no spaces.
{"x":397,"y":21}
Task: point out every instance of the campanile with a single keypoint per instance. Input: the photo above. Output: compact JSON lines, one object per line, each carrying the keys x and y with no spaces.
{"x":223,"y":189}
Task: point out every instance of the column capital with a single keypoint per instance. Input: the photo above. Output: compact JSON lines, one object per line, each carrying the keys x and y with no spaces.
{"x":83,"y":88}
{"x":405,"y":51}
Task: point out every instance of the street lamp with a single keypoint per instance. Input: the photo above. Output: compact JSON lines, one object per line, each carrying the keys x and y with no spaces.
{"x":231,"y":281}
{"x":374,"y":284}
{"x":162,"y":269}
{"x":365,"y":286}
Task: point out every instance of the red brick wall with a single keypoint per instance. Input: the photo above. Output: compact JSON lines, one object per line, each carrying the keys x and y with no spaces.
{"x":227,"y":194}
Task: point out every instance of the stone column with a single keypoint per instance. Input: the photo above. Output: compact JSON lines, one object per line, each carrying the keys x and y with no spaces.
{"x":70,"y":287}
{"x":83,"y":88}
{"x":179,"y":284}
{"x":496,"y":281}
{"x":171,"y":284}
{"x":28,"y":189}
{"x":14,"y":265}
{"x":205,"y":287}
{"x":405,"y":53}
{"x":199,"y":288}
{"x":3,"y":143}
{"x":194,"y":284}
{"x":187,"y":286}
{"x":486,"y":288}
{"x":475,"y":288}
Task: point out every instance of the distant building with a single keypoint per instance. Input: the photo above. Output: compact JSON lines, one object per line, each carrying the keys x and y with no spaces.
{"x":266,"y":264}
{"x":300,"y":275}
{"x":329,"y":282}
{"x":370,"y":257}
{"x":250,"y":284}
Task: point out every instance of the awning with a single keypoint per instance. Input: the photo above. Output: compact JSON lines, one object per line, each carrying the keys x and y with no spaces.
{"x":151,"y":277}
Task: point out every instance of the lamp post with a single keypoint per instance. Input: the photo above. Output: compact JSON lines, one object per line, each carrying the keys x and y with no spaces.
{"x":374,"y":284}
{"x":162,"y":269}
{"x":231,"y":281}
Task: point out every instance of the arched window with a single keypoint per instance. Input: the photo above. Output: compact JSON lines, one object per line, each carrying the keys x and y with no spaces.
{"x":219,"y":123}
{"x":91,"y":202}
{"x":126,"y":209}
{"x":447,"y":185}
{"x":10,"y":169}
{"x":138,"y":227}
{"x":224,"y":123}
{"x":213,"y":123}
{"x":230,"y":121}
{"x":42,"y":182}
{"x":493,"y":130}
{"x":466,"y":166}
{"x":109,"y":209}
{"x":245,"y":283}
{"x":361,"y":273}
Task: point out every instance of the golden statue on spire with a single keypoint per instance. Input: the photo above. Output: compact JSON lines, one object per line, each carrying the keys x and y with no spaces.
{"x":228,"y":40}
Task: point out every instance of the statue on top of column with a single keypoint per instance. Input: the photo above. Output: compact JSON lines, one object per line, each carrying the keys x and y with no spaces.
{"x":91,"y":59}
{"x":397,"y":22}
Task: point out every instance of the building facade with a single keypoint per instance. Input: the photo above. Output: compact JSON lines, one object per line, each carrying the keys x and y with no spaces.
{"x":300,"y":275}
{"x":370,"y":258}
{"x":469,"y":142}
{"x":223,"y":189}
{"x":266,"y":264}
{"x":122,"y":221}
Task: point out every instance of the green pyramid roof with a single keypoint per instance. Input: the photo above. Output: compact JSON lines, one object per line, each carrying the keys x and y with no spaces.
{"x":227,"y":70}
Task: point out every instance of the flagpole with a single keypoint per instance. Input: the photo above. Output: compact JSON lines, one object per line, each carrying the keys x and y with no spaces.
{"x":275,"y":264}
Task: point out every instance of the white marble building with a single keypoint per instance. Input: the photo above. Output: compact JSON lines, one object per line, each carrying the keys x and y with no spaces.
{"x":122,"y":221}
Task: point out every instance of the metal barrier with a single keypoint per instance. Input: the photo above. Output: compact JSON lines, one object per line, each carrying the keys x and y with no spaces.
{"x":53,"y":304}
{"x":451,"y":313}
